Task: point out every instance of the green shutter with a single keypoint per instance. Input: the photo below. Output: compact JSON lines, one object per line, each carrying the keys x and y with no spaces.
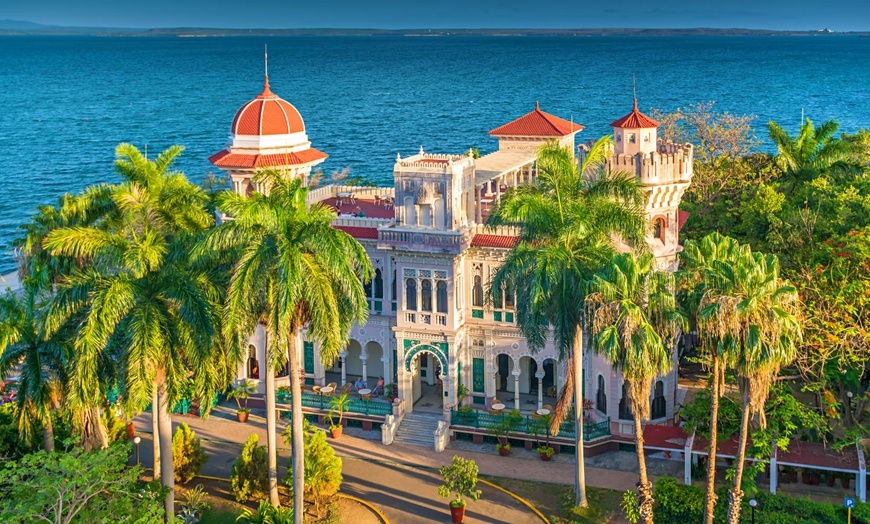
{"x":476,"y":313}
{"x":308,"y":356}
{"x":477,"y":375}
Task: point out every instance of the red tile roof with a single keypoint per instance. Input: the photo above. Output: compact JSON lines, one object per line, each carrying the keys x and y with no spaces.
{"x":267,"y":115}
{"x":635,"y":120}
{"x":227,"y":159}
{"x":359,"y":232}
{"x":682,"y":217}
{"x":664,"y":437}
{"x":481,"y":240}
{"x":537,"y":123}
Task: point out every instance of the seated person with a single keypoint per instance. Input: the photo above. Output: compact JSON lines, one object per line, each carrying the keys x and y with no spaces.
{"x":379,"y":387}
{"x":359,"y":384}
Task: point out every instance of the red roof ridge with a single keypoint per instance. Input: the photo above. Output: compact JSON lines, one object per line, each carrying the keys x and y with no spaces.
{"x":537,"y":123}
{"x":226,"y":158}
{"x":634,"y":120}
{"x":489,"y":240}
{"x":359,"y":232}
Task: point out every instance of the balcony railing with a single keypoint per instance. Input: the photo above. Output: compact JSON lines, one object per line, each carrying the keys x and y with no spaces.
{"x":527,"y":424}
{"x":321,"y":402}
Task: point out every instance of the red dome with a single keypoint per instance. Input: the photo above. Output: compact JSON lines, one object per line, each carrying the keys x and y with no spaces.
{"x":267,"y":114}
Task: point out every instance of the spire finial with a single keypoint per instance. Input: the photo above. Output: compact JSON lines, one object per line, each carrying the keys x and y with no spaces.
{"x":537,"y":107}
{"x":266,"y":58}
{"x":634,"y":88}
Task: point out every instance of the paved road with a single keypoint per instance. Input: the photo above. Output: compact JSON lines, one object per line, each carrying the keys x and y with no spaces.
{"x":405,"y":494}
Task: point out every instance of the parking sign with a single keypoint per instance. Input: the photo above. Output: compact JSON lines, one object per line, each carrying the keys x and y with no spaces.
{"x":848,"y":502}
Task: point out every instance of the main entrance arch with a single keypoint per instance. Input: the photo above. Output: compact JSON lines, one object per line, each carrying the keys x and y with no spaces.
{"x":424,"y":375}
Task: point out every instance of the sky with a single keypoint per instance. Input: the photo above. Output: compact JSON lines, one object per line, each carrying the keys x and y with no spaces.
{"x":837,"y":15}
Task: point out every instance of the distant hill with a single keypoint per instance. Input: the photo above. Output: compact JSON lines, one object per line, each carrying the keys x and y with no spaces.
{"x":24,"y":27}
{"x":20,"y":25}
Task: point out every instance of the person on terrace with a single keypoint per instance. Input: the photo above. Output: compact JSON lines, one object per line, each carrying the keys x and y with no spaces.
{"x":379,"y":387}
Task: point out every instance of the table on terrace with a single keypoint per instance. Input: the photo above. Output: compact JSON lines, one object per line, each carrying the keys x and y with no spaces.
{"x":365,"y":392}
{"x":543,"y":412}
{"x":498,"y":407}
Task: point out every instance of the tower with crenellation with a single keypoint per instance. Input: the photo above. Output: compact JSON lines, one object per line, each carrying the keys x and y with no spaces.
{"x":664,"y":170}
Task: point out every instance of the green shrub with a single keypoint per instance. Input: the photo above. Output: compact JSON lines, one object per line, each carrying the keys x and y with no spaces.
{"x":322,"y":469}
{"x":187,"y":454}
{"x":116,"y":425}
{"x":250,"y":477}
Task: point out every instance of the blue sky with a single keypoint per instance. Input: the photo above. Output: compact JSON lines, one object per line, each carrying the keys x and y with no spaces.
{"x":839,"y":15}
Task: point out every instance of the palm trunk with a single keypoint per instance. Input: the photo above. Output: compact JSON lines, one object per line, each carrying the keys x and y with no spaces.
{"x":167,"y":466}
{"x":93,"y":433}
{"x":735,"y":496}
{"x":271,"y":431}
{"x":48,"y":434}
{"x":710,"y":501}
{"x":580,"y":468}
{"x":155,"y":427}
{"x":645,"y":498}
{"x":298,"y":458}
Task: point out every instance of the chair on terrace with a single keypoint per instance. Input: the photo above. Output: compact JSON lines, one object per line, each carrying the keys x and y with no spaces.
{"x":315,"y":389}
{"x":345,"y":389}
{"x":332,"y":385}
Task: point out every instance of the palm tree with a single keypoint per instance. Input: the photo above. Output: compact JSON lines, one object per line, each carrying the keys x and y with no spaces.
{"x":568,"y":218}
{"x":41,"y":358}
{"x":635,"y":324}
{"x":291,"y":270}
{"x":754,"y":315}
{"x":815,"y":151}
{"x":142,"y":307}
{"x":696,"y":263}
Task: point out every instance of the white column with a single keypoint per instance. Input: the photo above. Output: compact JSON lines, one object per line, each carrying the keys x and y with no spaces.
{"x":365,"y":375}
{"x":343,"y":370}
{"x":517,"y":389}
{"x":540,"y":376}
{"x":687,"y":460}
{"x":388,"y":377}
{"x":774,"y":470}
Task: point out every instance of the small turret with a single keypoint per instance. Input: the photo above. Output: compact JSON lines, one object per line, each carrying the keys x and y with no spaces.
{"x":634,"y":133}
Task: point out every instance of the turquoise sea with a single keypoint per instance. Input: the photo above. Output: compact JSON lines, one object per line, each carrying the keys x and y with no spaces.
{"x":65,"y":102}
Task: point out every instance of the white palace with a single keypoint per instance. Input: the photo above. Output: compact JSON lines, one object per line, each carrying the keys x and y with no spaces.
{"x":430,"y":328}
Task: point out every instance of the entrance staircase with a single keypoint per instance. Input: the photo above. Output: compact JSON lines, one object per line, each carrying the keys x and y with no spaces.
{"x":418,"y":429}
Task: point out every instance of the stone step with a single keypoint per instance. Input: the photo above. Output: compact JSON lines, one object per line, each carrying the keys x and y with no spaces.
{"x":418,"y":429}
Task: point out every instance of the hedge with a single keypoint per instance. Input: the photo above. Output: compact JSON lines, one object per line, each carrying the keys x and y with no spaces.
{"x":680,"y":504}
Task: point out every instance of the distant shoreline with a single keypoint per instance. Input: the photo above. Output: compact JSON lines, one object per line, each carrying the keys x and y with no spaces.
{"x":334,"y":32}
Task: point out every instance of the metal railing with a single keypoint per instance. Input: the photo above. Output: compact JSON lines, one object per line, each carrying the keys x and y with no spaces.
{"x":526,"y":424}
{"x":321,"y":402}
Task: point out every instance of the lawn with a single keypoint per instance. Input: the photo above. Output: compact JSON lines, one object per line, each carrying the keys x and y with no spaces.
{"x":556,"y":501}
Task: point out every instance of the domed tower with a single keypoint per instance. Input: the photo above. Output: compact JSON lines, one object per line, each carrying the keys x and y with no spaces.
{"x":267,"y":132}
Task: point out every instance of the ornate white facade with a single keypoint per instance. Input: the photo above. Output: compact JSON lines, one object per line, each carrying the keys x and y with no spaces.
{"x":430,"y":326}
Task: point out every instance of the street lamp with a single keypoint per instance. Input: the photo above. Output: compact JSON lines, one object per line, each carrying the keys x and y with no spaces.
{"x":752,"y":504}
{"x":136,"y":441}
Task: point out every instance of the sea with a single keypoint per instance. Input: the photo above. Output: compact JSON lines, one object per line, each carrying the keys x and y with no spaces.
{"x":67,"y":101}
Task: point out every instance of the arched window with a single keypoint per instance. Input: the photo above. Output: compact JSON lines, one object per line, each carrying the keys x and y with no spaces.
{"x":367,"y":287}
{"x":410,"y":212}
{"x":477,"y":292}
{"x":379,"y":284}
{"x":411,"y":294}
{"x":660,"y":225}
{"x":441,"y":296}
{"x":253,"y":364}
{"x":659,"y":404}
{"x":426,"y":295}
{"x":624,"y":404}
{"x":509,"y":300}
{"x":393,"y":287}
{"x":601,"y":396}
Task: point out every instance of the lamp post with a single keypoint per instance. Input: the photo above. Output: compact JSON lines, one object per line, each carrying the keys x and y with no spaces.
{"x":136,"y":441}
{"x":752,"y":504}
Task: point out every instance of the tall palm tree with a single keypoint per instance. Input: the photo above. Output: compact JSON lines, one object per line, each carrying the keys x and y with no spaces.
{"x":813,"y":152}
{"x":754,"y":314}
{"x":568,"y":218}
{"x":291,"y":270}
{"x":143,"y":308}
{"x":696,"y":289}
{"x":635,"y":324}
{"x":40,"y":357}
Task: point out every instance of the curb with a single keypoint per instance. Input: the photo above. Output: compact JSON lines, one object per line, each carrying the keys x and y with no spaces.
{"x":377,"y":512}
{"x":519,"y":498}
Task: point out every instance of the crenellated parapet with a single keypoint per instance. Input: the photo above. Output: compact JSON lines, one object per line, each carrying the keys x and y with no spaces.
{"x":669,"y":164}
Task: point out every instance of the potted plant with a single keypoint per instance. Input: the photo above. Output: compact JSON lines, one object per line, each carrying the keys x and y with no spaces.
{"x":831,"y":477}
{"x":545,"y":452}
{"x":461,"y":393}
{"x":338,"y":405}
{"x":806,"y":478}
{"x":389,"y":389}
{"x":460,"y":478}
{"x":845,"y":479}
{"x":502,"y":431}
{"x":503,"y":449}
{"x":241,"y":392}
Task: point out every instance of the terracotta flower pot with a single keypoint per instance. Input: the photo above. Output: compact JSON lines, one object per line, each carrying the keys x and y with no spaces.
{"x":845,"y":482}
{"x":457,"y":514}
{"x":544,"y":456}
{"x":131,"y":430}
{"x":831,"y":480}
{"x":242,"y":416}
{"x":335,"y":431}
